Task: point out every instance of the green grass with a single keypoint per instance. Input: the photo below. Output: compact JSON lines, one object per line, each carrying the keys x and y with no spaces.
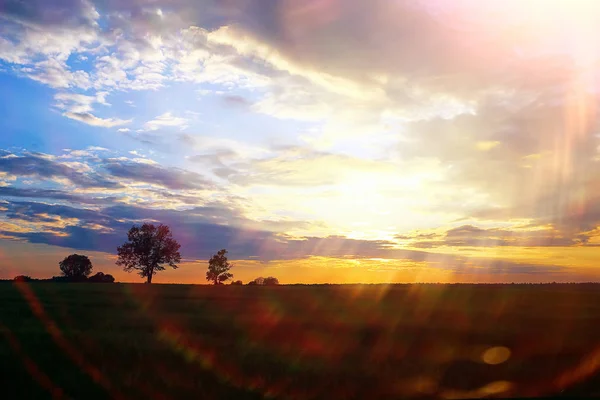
{"x":88,"y":341}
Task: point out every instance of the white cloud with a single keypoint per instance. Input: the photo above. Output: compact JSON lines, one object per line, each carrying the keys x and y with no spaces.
{"x":80,"y":107}
{"x":166,"y":120}
{"x":91,"y":119}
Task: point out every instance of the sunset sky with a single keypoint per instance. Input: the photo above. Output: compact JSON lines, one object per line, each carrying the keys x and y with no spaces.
{"x":317,"y":140}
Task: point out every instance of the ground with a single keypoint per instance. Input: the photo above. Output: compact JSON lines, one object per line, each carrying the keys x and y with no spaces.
{"x":89,"y":341}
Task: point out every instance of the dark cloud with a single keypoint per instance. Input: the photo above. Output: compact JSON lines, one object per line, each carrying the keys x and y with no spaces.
{"x":42,"y":166}
{"x":172,"y":178}
{"x":472,"y":236}
{"x":9,"y":191}
{"x":203,"y":230}
{"x":236,"y":101}
{"x":200,"y":230}
{"x":32,"y":210}
{"x":41,"y":12}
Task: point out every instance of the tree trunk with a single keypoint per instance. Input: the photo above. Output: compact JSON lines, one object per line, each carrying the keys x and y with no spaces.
{"x":150,"y":274}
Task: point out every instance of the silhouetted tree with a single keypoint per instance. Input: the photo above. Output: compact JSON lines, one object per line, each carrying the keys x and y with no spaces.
{"x":149,"y":247}
{"x":101,"y":277}
{"x":259,"y":281}
{"x":252,"y":283}
{"x":237,"y":283}
{"x":23,"y":278}
{"x":271,"y":281}
{"x":76,"y":267}
{"x":218,"y":268}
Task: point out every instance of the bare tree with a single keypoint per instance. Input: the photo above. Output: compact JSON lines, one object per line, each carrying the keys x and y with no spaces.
{"x":218,"y":268}
{"x":147,"y":249}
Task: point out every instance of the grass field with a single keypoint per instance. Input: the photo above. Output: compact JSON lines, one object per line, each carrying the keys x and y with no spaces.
{"x":141,"y":341}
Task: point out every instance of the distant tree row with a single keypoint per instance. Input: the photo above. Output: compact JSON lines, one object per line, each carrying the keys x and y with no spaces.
{"x":148,"y":250}
{"x":74,"y":268}
{"x":260,"y":281}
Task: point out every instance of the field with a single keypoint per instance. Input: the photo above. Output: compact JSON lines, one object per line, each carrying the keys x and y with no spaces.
{"x":89,"y":341}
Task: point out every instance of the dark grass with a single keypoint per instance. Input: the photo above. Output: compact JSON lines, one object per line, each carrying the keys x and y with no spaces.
{"x":94,"y":341}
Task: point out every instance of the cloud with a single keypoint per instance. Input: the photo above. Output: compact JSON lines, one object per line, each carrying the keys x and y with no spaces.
{"x":44,"y":167}
{"x":520,"y":236}
{"x":171,"y":178}
{"x":105,"y":229}
{"x":79,"y":107}
{"x":54,"y":195}
{"x":91,"y":119}
{"x":56,"y":74}
{"x":289,"y":166}
{"x":166,"y":120}
{"x":236,"y":101}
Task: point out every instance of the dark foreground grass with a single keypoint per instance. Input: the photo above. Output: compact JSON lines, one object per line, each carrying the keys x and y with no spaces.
{"x":87,"y":341}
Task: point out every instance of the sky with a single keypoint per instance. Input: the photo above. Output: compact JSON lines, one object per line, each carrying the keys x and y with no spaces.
{"x":317,"y":141}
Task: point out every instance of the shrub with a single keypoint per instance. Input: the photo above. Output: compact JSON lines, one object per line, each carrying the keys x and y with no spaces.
{"x":68,"y":279}
{"x":101,"y":277}
{"x":23,"y":278}
{"x":260,"y":281}
{"x":271,"y":281}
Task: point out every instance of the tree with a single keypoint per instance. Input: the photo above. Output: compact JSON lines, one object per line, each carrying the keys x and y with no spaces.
{"x":147,"y":249}
{"x":218,"y":268}
{"x":259,"y":281}
{"x":271,"y":281}
{"x":237,"y":283}
{"x":23,"y":278}
{"x":101,"y":277}
{"x":76,"y":267}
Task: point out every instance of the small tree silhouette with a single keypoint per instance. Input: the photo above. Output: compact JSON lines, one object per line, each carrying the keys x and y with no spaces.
{"x":147,"y":248}
{"x":218,"y":268}
{"x":260,"y":281}
{"x":237,"y":283}
{"x":23,"y":278}
{"x":101,"y":277}
{"x":271,"y":281}
{"x":76,"y":267}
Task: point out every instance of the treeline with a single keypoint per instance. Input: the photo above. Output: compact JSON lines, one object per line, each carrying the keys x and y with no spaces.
{"x":74,"y":268}
{"x":148,"y":250}
{"x":260,"y":281}
{"x":99,"y":277}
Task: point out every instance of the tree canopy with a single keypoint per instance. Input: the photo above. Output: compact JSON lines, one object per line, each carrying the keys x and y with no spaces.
{"x":218,"y":268}
{"x":76,"y":266}
{"x":101,"y":277}
{"x":268,"y":281}
{"x":148,"y":249}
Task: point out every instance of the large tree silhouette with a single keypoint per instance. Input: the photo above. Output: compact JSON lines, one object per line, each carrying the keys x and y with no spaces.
{"x":76,"y":267}
{"x":147,"y":249}
{"x":218,"y":268}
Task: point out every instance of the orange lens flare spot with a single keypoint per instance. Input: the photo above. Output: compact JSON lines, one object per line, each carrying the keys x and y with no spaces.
{"x":496,"y":355}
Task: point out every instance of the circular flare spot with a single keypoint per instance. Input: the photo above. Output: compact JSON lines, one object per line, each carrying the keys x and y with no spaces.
{"x":496,"y":387}
{"x":496,"y":355}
